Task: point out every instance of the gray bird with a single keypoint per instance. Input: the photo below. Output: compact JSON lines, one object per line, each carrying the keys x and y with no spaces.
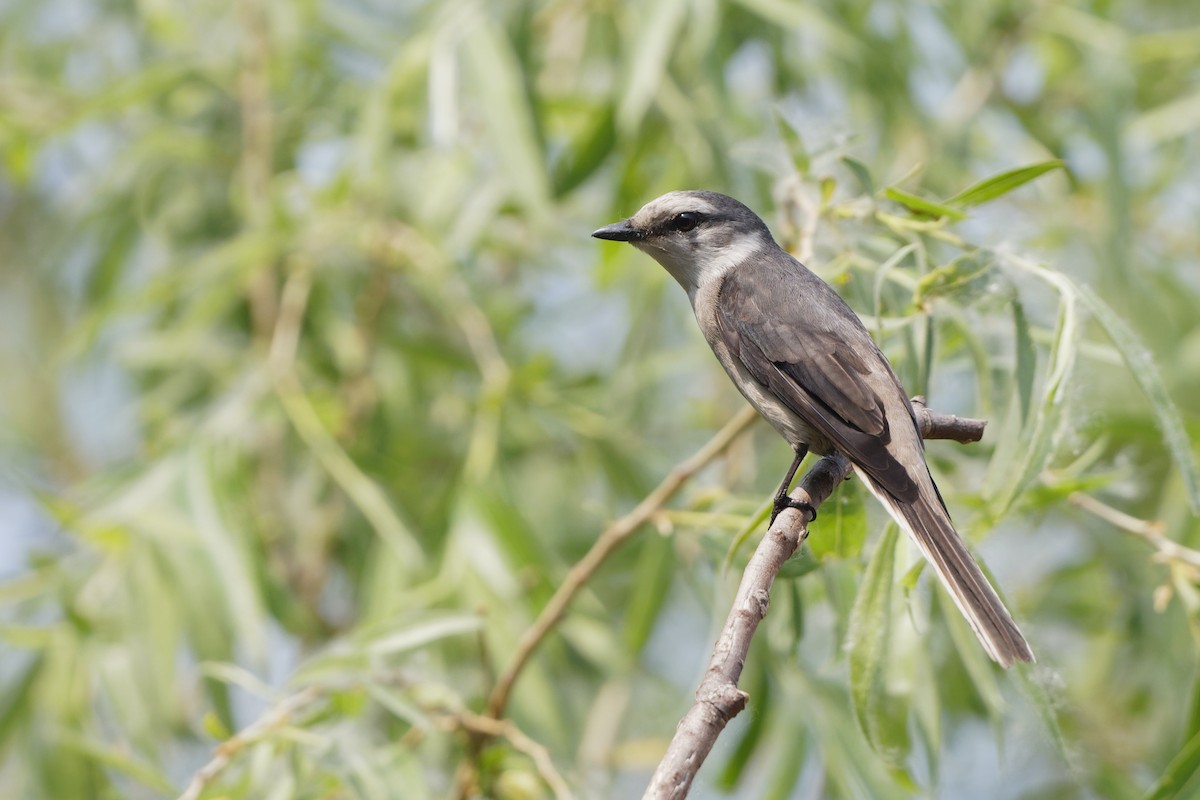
{"x":802,"y":357}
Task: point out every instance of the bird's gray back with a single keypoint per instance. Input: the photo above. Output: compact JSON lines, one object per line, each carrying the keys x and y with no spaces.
{"x":821,"y":375}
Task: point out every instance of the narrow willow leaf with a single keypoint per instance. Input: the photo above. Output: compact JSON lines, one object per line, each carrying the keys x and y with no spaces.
{"x":963,"y":275}
{"x":881,"y":276}
{"x":426,"y":630}
{"x":756,"y":683}
{"x":927,"y":707}
{"x":853,"y":770}
{"x":586,"y":152}
{"x":1026,"y":361}
{"x":807,"y":17}
{"x":800,"y":564}
{"x":656,"y":29}
{"x":1045,"y":703}
{"x":1182,"y":769}
{"x":234,"y":675}
{"x":973,"y":657}
{"x":1178,"y":117}
{"x":999,"y":185}
{"x":841,"y":534}
{"x":396,"y":702}
{"x":227,"y":551}
{"x":215,"y":727}
{"x":785,"y":772}
{"x":883,"y":717}
{"x":1141,"y":364}
{"x":972,"y":341}
{"x":865,"y":183}
{"x":18,"y":697}
{"x":792,"y":137}
{"x":1193,"y":722}
{"x":506,"y":526}
{"x":651,"y":585}
{"x":919,"y":205}
{"x":1037,"y":439}
{"x":508,"y":116}
{"x":795,"y":594}
{"x":365,"y":493}
{"x":119,"y":759}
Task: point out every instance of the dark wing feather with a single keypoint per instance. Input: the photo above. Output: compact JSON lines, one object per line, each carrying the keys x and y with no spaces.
{"x":801,"y":341}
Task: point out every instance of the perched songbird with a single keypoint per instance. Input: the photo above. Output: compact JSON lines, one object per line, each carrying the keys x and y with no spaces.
{"x":802,"y":357}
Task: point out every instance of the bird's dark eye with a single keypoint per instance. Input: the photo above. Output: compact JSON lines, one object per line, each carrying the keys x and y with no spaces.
{"x":685,"y":221}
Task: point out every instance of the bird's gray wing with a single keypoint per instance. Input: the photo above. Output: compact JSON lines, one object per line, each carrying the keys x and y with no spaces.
{"x":800,"y":340}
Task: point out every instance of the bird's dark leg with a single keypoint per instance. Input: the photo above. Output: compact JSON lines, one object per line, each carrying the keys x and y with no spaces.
{"x":782,"y":500}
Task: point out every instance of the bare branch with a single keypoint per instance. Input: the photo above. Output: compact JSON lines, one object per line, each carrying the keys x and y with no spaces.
{"x":1151,"y":531}
{"x":947,"y":426}
{"x":932,"y":424}
{"x":817,"y":485}
{"x":276,"y":717}
{"x":536,"y":752}
{"x":718,"y":698}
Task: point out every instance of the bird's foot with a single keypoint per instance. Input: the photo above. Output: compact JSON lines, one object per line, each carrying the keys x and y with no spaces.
{"x":784,"y":501}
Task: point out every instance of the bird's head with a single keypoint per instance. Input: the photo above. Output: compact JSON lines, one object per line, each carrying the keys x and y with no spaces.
{"x":696,"y":236}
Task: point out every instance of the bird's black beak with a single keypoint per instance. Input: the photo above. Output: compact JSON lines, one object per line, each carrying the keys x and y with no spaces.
{"x":619,"y":232}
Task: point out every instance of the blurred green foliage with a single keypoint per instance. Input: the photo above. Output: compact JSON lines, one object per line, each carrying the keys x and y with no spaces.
{"x":314,"y":388}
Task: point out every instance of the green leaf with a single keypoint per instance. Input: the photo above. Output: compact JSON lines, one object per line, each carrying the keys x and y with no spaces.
{"x":19,"y":696}
{"x":523,"y":551}
{"x":882,"y":715}
{"x":427,"y":629}
{"x":999,"y":185}
{"x":921,"y":206}
{"x":786,"y":770}
{"x":842,"y":533}
{"x":755,"y":683}
{"x":225,"y":547}
{"x":1026,"y":361}
{"x":974,"y":659}
{"x":656,"y":29}
{"x":586,"y":152}
{"x":1182,"y":769}
{"x":215,"y":727}
{"x":1141,"y":364}
{"x":117,"y":758}
{"x":965,"y":275}
{"x":507,"y":114}
{"x":1045,"y":699}
{"x":1193,"y":722}
{"x":1022,"y":457}
{"x":1178,"y":117}
{"x":800,"y":564}
{"x":651,"y":585}
{"x":866,"y":184}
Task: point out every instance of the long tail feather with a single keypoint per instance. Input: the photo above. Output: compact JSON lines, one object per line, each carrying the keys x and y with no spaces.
{"x":927,"y":522}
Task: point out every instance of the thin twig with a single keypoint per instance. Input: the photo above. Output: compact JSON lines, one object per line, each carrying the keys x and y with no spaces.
{"x":1152,"y":531}
{"x":609,"y":541}
{"x":578,"y":576}
{"x":537,"y":753}
{"x":254,"y":98}
{"x":932,"y":424}
{"x":718,"y":698}
{"x":946,"y":426}
{"x":276,"y":717}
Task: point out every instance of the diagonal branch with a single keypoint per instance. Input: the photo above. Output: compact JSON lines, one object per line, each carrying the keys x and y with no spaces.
{"x":718,"y":698}
{"x":612,"y":538}
{"x":933,"y":426}
{"x":277,"y":717}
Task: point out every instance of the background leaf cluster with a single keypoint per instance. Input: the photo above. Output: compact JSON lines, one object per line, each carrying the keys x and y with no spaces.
{"x":314,"y":387}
